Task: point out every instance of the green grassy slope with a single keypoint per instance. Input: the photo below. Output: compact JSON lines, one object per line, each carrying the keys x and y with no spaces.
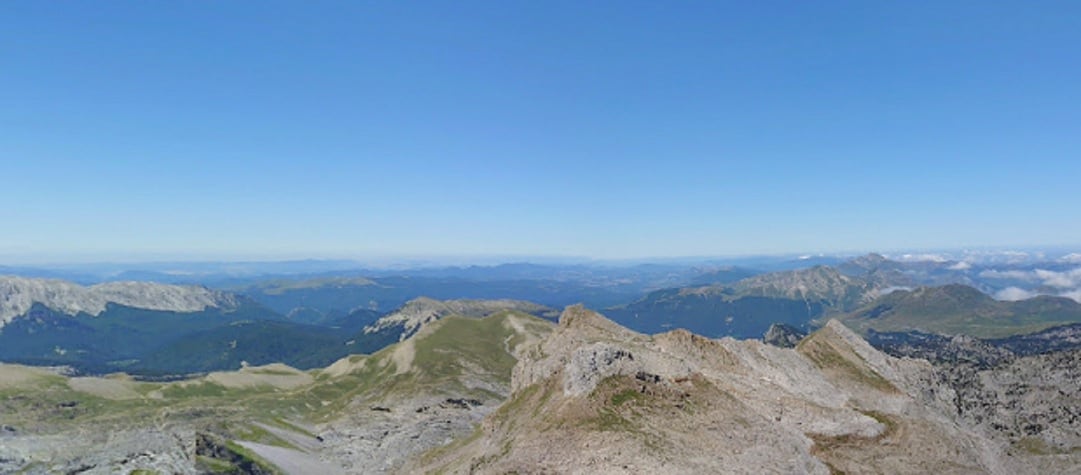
{"x":438,"y":358}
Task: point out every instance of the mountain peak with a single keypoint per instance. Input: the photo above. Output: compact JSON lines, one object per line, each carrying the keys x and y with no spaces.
{"x":579,"y":317}
{"x":818,"y":283}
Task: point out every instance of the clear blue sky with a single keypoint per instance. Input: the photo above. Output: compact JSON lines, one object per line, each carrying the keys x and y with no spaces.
{"x":602,"y":129}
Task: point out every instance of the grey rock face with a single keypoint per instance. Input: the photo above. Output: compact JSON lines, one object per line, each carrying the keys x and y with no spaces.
{"x":93,"y":452}
{"x":1033,"y":402}
{"x":18,"y":294}
{"x":380,"y":440}
{"x":591,"y":364}
{"x":783,"y":336}
{"x":1025,"y":390}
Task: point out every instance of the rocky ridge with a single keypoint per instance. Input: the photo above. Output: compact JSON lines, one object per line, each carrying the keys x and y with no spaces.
{"x":418,"y":312}
{"x":18,"y":294}
{"x":595,"y":397}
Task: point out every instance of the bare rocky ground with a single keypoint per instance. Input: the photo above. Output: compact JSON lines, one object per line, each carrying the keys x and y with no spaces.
{"x":380,"y":440}
{"x":291,"y":460}
{"x":1033,"y":402}
{"x":89,"y":451}
{"x":1023,"y":389}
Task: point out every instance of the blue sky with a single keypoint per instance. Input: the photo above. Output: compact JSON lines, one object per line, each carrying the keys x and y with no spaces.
{"x":601,"y":129}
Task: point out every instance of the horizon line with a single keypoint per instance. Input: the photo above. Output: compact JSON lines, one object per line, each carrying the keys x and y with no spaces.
{"x":79,"y":259}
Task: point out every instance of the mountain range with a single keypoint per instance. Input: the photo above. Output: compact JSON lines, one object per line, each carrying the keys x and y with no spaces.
{"x":868,"y":292}
{"x":159,"y":330}
{"x":163,"y":330}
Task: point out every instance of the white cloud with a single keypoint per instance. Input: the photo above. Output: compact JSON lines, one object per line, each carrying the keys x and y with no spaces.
{"x":1000,"y":257}
{"x":1072,"y":258}
{"x":1067,"y":283}
{"x":922,"y":258}
{"x":1014,"y":257}
{"x":1063,"y":280}
{"x":1073,"y":294}
{"x":1008,"y":274}
{"x":1013,"y":293}
{"x":963,"y":265}
{"x":890,"y":290}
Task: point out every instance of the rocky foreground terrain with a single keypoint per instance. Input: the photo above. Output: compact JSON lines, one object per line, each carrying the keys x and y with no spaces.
{"x":597,"y":398}
{"x":1025,"y":389}
{"x":514,"y":393}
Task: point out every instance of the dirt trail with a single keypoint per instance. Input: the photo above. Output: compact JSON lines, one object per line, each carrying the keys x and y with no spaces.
{"x":291,"y":461}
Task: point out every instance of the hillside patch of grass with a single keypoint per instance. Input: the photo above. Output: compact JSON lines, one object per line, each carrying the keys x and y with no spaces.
{"x":461,"y":341}
{"x":827,"y":357}
{"x":194,"y":390}
{"x":215,"y":466}
{"x":627,"y":395}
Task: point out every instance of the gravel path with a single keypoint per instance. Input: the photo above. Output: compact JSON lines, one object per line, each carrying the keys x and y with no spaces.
{"x":291,"y":461}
